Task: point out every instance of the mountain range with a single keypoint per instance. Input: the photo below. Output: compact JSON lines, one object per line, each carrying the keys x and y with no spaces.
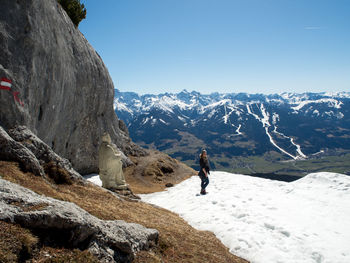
{"x":236,"y":128}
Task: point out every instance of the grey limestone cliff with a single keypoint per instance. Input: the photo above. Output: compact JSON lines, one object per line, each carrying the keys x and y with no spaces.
{"x":65,"y":88}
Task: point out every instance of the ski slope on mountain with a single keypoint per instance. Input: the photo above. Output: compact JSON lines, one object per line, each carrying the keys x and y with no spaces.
{"x":269,"y":221}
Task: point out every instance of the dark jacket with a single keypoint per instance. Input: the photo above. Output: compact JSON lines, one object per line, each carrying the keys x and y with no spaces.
{"x":204,"y":163}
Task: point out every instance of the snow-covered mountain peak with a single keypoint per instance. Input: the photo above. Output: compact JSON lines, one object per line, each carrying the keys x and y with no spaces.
{"x":189,"y":100}
{"x":235,"y":124}
{"x":332,"y":103}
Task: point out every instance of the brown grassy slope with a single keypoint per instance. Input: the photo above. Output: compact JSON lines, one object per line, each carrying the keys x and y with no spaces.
{"x":178,"y":241}
{"x":152,"y":172}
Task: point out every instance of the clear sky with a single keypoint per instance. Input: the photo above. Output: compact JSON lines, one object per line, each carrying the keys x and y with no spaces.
{"x":254,"y":46}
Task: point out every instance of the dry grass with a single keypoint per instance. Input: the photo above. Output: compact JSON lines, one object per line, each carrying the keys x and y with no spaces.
{"x":62,"y":255}
{"x":178,"y":241}
{"x":56,"y":173}
{"x":16,"y":243}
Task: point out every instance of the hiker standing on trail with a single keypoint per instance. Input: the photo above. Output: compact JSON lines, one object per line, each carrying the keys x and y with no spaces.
{"x":204,"y":171}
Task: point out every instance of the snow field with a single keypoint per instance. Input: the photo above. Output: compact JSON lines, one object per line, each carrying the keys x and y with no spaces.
{"x":269,"y":221}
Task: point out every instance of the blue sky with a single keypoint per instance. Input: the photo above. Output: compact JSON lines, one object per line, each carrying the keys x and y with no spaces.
{"x":254,"y":46}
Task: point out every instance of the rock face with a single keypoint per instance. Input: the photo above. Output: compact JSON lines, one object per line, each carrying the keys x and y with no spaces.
{"x":65,"y":88}
{"x":51,"y":219}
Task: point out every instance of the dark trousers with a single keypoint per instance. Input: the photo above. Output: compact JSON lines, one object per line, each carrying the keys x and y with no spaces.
{"x":205,"y":181}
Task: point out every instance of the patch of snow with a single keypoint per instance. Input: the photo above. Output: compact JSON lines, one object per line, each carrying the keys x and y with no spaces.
{"x":218,"y":103}
{"x":137,"y":103}
{"x":249,"y":109}
{"x":275,"y":118}
{"x":121,"y":106}
{"x":162,"y":121}
{"x":316,"y":112}
{"x":173,"y":101}
{"x":329,"y":113}
{"x":320,"y":152}
{"x":338,"y":94}
{"x":212,"y":113}
{"x":226,"y":116}
{"x":301,"y":154}
{"x":339,"y":115}
{"x":164,"y":103}
{"x":266,"y":116}
{"x":278,"y":147}
{"x":238,"y":130}
{"x":280,"y":133}
{"x":94,"y":178}
{"x":238,"y":112}
{"x":181,"y":118}
{"x":261,"y":220}
{"x":145,"y":121}
{"x":298,"y":148}
{"x":331,"y":103}
{"x":194,"y":101}
{"x":193,"y":123}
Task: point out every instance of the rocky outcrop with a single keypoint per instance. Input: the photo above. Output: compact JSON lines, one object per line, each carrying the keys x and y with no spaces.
{"x":10,"y":150}
{"x":46,"y":156}
{"x":65,"y":88}
{"x":21,"y":145}
{"x":51,"y":219}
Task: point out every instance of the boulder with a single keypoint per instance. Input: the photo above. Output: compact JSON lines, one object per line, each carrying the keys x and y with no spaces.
{"x":66,"y":90}
{"x":70,"y":226}
{"x":21,"y":145}
{"x":10,"y":150}
{"x":46,"y":156}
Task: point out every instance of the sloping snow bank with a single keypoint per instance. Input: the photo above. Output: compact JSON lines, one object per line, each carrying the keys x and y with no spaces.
{"x":269,"y":221}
